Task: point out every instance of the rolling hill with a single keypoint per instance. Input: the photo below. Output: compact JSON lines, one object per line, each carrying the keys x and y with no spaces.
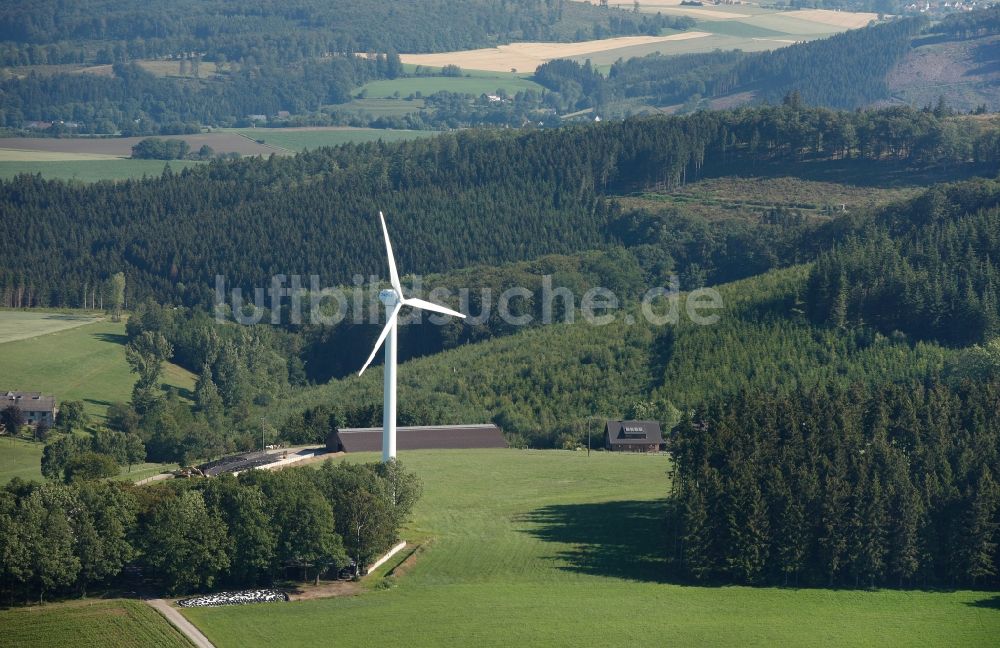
{"x":555,"y":548}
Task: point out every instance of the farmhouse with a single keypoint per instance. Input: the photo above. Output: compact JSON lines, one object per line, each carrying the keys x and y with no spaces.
{"x":418,"y":438}
{"x":35,"y":407}
{"x":633,"y":436}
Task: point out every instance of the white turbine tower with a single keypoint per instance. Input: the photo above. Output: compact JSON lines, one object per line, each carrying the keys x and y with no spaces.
{"x":394,"y":301}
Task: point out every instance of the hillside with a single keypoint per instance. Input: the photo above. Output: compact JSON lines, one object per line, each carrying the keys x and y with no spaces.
{"x":965,"y":72}
{"x":460,"y":199}
{"x":542,"y":385}
{"x":85,"y":363}
{"x":521,"y":548}
{"x":907,"y":60}
{"x":49,"y":32}
{"x":210,"y":69}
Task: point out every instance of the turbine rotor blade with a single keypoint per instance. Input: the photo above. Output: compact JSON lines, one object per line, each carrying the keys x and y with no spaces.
{"x":389,"y":323}
{"x":431,"y":306}
{"x":393,"y":275}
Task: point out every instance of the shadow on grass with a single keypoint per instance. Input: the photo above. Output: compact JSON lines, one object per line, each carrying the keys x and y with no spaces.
{"x":991,"y":603}
{"x":69,"y":317}
{"x":97,"y":401}
{"x":624,"y":539}
{"x":114,"y":338}
{"x":182,"y":392}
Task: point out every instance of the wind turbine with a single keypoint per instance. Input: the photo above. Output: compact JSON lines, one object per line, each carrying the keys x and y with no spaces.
{"x":394,"y":301}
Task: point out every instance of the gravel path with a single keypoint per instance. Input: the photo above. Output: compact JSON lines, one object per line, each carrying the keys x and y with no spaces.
{"x":177,"y":620}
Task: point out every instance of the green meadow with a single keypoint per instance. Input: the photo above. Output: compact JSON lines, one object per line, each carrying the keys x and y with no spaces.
{"x":20,"y":325}
{"x":555,"y":548}
{"x":20,"y":458}
{"x":84,"y":363}
{"x":302,"y":139}
{"x":380,"y":107}
{"x":92,"y":170}
{"x":114,"y":623}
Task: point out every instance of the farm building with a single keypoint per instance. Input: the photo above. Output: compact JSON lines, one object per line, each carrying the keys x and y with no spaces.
{"x":35,"y":407}
{"x":633,"y":436}
{"x":236,"y":463}
{"x":429,"y":437}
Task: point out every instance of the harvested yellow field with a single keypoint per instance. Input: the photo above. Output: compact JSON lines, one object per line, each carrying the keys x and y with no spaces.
{"x":845,"y":19}
{"x":22,"y":155}
{"x":526,"y":57}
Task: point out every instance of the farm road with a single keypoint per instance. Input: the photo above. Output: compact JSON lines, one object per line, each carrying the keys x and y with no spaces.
{"x":177,"y":620}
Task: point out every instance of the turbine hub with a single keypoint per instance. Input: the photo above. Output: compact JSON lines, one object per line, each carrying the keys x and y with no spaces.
{"x":388,"y":297}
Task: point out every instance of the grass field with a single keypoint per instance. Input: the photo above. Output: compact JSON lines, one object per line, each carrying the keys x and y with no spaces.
{"x":115,"y":623}
{"x":144,"y":470}
{"x":84,"y":363}
{"x":20,"y":325}
{"x":740,"y":29}
{"x":727,"y":197}
{"x":19,"y":458}
{"x":93,"y":159}
{"x":22,"y":155}
{"x":380,"y":107}
{"x":552,"y":548}
{"x":92,"y":170}
{"x":299,"y":139}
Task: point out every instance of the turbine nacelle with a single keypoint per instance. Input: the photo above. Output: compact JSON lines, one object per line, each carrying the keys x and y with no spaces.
{"x":389,"y":297}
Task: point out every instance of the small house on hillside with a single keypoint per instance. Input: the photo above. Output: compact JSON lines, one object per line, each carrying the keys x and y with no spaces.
{"x":35,"y":407}
{"x":633,"y":436}
{"x":424,"y":437}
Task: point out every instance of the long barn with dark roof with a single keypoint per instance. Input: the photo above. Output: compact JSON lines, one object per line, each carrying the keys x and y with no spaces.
{"x":429,"y":437}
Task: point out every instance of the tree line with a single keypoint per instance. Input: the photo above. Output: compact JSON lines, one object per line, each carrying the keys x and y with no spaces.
{"x":888,"y":486}
{"x":133,"y":101}
{"x":926,"y":268}
{"x":256,"y":529}
{"x":766,"y":338}
{"x":844,"y":71}
{"x":48,"y":32}
{"x":544,"y":192}
{"x":973,"y":24}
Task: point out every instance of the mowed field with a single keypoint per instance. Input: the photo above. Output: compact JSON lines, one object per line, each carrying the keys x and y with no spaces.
{"x":115,"y":623}
{"x":83,"y":363}
{"x":552,"y":548}
{"x":528,"y":56}
{"x":20,"y":325}
{"x":19,"y":458}
{"x":749,"y":28}
{"x":93,"y":170}
{"x":90,"y":159}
